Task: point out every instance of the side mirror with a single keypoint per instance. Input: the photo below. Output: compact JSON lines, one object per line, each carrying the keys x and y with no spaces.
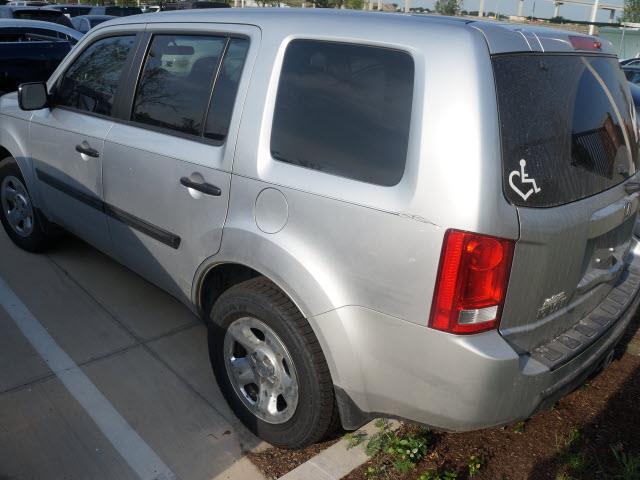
{"x":33,"y":96}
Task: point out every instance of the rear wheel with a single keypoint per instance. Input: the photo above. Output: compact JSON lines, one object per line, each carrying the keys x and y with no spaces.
{"x":269,"y":365}
{"x":18,"y":215}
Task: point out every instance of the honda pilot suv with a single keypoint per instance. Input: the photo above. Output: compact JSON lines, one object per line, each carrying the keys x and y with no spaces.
{"x":412,"y":216}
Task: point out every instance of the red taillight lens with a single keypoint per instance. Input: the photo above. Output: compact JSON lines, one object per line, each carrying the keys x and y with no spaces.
{"x":472,"y":282}
{"x":585,"y":43}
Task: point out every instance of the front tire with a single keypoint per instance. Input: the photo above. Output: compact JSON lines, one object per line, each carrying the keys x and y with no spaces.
{"x":17,"y":213}
{"x":269,"y":365}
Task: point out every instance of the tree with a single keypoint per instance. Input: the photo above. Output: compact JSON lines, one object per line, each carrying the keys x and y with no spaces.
{"x":631,"y":11}
{"x":452,"y":7}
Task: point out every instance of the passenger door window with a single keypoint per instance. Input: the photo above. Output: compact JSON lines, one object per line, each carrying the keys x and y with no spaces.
{"x":92,"y":81}
{"x":175,"y":88}
{"x":344,"y":109}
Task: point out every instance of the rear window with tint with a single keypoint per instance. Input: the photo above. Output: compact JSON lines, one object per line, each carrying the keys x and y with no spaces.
{"x":344,"y":109}
{"x":567,"y":125}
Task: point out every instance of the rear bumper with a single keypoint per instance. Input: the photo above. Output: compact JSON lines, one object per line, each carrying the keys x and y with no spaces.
{"x":384,"y":366}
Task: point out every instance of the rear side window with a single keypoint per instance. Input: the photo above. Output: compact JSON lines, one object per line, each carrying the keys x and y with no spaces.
{"x":187,"y":87}
{"x":91,"y":82}
{"x":344,"y":109}
{"x":567,"y":125}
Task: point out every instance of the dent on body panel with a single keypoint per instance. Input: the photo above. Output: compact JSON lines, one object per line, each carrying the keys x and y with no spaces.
{"x":332,"y":253}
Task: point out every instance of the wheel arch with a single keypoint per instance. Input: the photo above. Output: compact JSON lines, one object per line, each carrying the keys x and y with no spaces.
{"x":9,"y":147}
{"x":277,"y":263}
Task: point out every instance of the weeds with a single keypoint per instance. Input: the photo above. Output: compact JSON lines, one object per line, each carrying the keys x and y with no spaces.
{"x":435,"y":475}
{"x":629,"y":465}
{"x":393,"y":451}
{"x":475,"y":464}
{"x":519,"y":427}
{"x":402,"y":451}
{"x":354,"y":439}
{"x":574,"y":436}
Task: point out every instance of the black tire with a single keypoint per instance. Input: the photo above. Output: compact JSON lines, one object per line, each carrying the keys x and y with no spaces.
{"x":37,"y":240}
{"x":316,"y":413}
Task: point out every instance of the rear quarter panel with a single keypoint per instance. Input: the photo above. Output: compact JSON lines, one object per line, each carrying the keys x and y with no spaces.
{"x":352,"y":243}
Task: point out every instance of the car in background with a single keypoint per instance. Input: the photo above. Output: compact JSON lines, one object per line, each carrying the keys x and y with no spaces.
{"x":71,"y":10}
{"x":15,"y":30}
{"x":84,"y":23}
{"x":31,"y":50}
{"x":185,"y":5}
{"x":28,"y":3}
{"x":632,"y":72}
{"x":635,"y":94}
{"x":115,"y":10}
{"x":43,"y":14}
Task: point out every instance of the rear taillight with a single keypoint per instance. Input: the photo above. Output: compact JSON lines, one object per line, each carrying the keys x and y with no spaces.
{"x":585,"y":43}
{"x":472,"y":282}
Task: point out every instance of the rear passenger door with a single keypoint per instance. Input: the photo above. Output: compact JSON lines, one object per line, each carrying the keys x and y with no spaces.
{"x":167,"y":164}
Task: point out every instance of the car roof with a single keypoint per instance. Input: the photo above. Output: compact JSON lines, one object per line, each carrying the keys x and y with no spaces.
{"x":501,"y":37}
{"x":20,"y":23}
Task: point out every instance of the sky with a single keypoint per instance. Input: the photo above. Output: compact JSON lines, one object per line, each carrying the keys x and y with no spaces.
{"x":544,"y":8}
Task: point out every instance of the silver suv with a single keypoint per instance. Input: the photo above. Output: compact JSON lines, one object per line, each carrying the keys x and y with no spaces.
{"x":412,"y":216}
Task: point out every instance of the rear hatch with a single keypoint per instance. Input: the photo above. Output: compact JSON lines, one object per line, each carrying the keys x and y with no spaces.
{"x":570,"y":148}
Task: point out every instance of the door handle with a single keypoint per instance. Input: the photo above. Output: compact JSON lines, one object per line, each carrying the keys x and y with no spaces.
{"x":204,"y":187}
{"x":86,"y":149}
{"x":632,"y":187}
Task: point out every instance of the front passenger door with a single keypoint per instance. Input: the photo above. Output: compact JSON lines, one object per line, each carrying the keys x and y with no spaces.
{"x":67,"y":139}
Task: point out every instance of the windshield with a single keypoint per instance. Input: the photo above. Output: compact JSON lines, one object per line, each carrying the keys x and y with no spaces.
{"x":568,"y":127}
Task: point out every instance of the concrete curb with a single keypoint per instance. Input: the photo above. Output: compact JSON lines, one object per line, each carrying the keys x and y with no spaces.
{"x":242,"y":469}
{"x":336,"y":461}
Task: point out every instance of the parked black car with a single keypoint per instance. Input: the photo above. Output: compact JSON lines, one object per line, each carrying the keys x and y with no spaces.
{"x":71,"y":10}
{"x":116,"y":11}
{"x":195,"y":4}
{"x":44,"y":14}
{"x":30,"y":52}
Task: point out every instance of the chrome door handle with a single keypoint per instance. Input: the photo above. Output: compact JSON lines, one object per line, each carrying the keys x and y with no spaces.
{"x":86,"y":149}
{"x":204,"y":187}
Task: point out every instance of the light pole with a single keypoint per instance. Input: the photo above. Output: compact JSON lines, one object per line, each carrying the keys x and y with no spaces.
{"x":533,"y":12}
{"x":594,"y":12}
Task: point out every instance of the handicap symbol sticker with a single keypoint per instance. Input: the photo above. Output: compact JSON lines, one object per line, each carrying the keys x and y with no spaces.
{"x":524,"y":180}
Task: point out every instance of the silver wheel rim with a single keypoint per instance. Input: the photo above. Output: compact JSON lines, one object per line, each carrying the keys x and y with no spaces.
{"x":261,"y":370}
{"x":16,"y":206}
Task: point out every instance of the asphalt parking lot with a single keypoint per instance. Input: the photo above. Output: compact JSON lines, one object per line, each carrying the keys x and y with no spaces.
{"x":126,"y":390}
